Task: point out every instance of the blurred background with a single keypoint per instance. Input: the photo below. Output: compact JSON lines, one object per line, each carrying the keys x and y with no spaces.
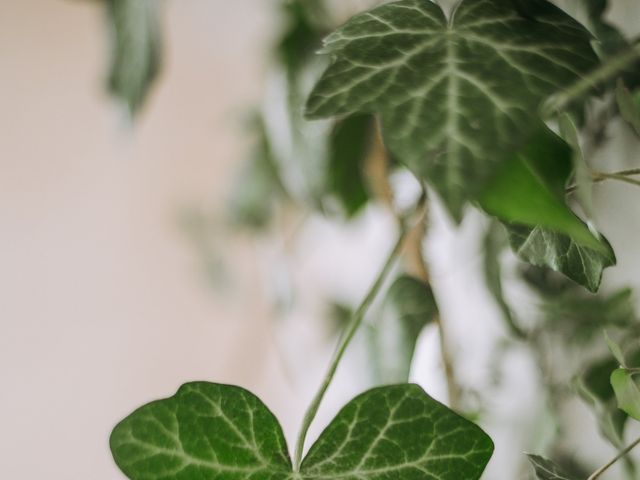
{"x":122,"y":275}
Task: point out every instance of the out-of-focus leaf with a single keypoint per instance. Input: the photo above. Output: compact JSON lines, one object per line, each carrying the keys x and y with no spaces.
{"x":595,"y":388}
{"x":627,"y":392}
{"x":303,"y":33}
{"x":494,"y":243}
{"x":629,"y":105}
{"x":259,"y":185}
{"x":615,"y":350}
{"x":455,"y":97}
{"x":530,"y":189}
{"x":349,"y":144}
{"x":407,"y":308}
{"x":136,"y":49}
{"x":547,"y":470}
{"x":581,"y":174}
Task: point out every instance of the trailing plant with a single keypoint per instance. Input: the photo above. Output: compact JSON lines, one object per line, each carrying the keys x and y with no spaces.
{"x":499,"y":106}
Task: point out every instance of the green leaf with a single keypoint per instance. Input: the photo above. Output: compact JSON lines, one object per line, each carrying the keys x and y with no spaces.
{"x":136,"y":49}
{"x":455,"y":96}
{"x":530,"y":189}
{"x":627,"y":392}
{"x":349,"y":145}
{"x":547,"y":470}
{"x":209,"y":431}
{"x":595,"y":388}
{"x":615,"y":350}
{"x":629,"y":105}
{"x":581,"y":172}
{"x":408,"y":307}
{"x":545,"y":248}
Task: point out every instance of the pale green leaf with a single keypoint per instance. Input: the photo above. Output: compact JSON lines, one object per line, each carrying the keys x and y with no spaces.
{"x":581,"y":173}
{"x":136,"y":49}
{"x":546,"y":248}
{"x":547,"y":470}
{"x":627,"y":392}
{"x":454,"y":96}
{"x":615,"y":350}
{"x":208,"y":431}
{"x":408,"y":307}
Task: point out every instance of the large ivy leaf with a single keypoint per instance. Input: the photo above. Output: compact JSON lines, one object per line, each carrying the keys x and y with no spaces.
{"x":408,"y":307}
{"x":547,"y":470}
{"x":136,"y":50}
{"x":208,"y":431}
{"x":454,"y":96}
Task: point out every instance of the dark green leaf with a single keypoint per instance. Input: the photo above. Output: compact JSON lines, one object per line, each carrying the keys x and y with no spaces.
{"x":455,"y":97}
{"x":408,"y":307}
{"x":349,"y":144}
{"x":627,"y":392}
{"x":136,"y":51}
{"x":547,"y":470}
{"x":211,"y":431}
{"x":545,"y":248}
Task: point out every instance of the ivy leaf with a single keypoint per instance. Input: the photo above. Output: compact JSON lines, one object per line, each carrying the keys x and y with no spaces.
{"x":349,"y":145}
{"x":454,"y":96}
{"x":136,"y":49}
{"x":408,"y":307}
{"x":581,"y":173}
{"x":547,"y":470}
{"x":545,"y":248}
{"x":209,"y":431}
{"x":627,"y":392}
{"x":615,"y":350}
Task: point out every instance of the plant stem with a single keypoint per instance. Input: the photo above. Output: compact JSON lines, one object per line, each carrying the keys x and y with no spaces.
{"x":603,"y":469}
{"x":347,"y":336}
{"x":621,"y":176}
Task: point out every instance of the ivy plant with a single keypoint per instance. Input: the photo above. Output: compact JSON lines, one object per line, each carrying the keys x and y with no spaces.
{"x":497,"y":105}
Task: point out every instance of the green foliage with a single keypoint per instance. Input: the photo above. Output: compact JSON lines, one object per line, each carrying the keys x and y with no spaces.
{"x":455,"y":97}
{"x":629,"y":105}
{"x":219,"y":431}
{"x":547,"y":470}
{"x":627,"y":392}
{"x":136,"y":50}
{"x":408,"y":307}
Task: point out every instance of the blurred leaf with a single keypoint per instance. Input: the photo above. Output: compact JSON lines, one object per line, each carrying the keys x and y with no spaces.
{"x":581,"y":173}
{"x":407,"y":308}
{"x":629,"y":105}
{"x":259,"y":185}
{"x":349,"y":146}
{"x":136,"y":49}
{"x":302,"y":35}
{"x":547,"y":470}
{"x":615,"y":350}
{"x":627,"y":392}
{"x":530,"y":190}
{"x":444,"y":113}
{"x":494,"y":243}
{"x":595,"y":388}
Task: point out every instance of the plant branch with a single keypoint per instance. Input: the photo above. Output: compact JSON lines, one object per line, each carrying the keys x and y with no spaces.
{"x":621,"y":176}
{"x":623,"y":453}
{"x":350,"y":331}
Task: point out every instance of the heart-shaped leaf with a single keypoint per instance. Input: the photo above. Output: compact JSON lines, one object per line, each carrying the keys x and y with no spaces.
{"x":208,"y":431}
{"x":455,"y":96}
{"x":627,"y":392}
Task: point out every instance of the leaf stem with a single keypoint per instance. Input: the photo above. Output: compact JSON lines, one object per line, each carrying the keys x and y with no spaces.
{"x":621,"y":176}
{"x":595,"y":475}
{"x":347,"y":336}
